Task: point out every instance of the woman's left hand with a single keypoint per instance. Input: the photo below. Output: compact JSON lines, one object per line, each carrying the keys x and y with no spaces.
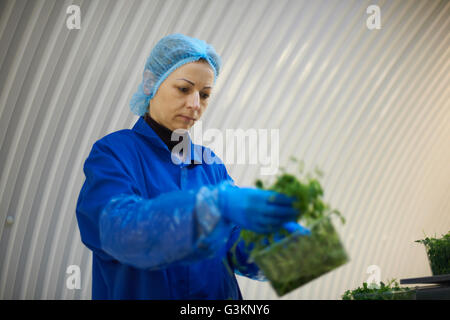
{"x":290,"y":227}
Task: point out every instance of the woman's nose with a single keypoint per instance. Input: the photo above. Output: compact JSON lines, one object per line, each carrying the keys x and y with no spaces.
{"x":194,"y":100}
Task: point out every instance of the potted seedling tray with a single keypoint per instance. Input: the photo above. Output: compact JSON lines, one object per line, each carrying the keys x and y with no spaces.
{"x":390,"y":291}
{"x":406,"y":294}
{"x":438,"y":253}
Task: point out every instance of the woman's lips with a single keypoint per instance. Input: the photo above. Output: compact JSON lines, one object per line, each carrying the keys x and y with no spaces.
{"x":186,"y":118}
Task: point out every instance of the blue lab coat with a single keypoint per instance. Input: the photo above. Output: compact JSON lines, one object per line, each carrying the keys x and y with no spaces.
{"x":153,"y":225}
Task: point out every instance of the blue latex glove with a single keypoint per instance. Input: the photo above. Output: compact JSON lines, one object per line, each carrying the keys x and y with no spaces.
{"x":261,"y":211}
{"x":292,"y":227}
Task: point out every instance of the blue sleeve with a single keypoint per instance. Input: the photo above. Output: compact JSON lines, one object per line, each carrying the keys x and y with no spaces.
{"x":118,"y":223}
{"x":238,"y":253}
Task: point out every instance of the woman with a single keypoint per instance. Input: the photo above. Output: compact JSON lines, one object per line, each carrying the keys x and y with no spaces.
{"x":160,"y":229}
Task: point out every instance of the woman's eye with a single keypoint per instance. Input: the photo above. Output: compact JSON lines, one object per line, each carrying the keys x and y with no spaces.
{"x":202,"y":95}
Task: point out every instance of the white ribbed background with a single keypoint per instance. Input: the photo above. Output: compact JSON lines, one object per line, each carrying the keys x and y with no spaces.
{"x":370,"y":108}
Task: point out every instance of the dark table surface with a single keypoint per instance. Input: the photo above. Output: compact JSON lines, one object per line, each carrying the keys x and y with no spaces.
{"x":440,"y":279}
{"x":439,"y":291}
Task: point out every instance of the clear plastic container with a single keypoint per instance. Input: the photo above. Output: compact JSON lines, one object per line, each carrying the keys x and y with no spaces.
{"x":299,"y":259}
{"x":439,"y":258}
{"x":438,"y":253}
{"x":404,"y":294}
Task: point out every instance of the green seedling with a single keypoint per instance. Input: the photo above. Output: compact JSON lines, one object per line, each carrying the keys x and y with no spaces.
{"x":296,"y":260}
{"x":438,"y":252}
{"x":389,"y":291}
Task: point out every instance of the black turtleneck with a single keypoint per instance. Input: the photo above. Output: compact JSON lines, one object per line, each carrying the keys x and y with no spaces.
{"x":164,"y":133}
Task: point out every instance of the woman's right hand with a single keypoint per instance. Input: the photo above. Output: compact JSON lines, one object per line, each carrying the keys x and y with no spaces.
{"x":261,"y":211}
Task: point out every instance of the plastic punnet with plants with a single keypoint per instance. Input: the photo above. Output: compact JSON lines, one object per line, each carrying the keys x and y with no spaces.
{"x":297,"y":258}
{"x":438,"y":252}
{"x":389,"y":291}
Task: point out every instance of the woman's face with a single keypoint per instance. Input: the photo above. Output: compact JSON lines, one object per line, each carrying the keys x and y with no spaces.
{"x":183,"y":96}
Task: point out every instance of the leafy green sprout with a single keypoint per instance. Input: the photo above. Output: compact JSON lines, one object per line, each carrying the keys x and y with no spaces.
{"x":284,"y":262}
{"x":388,"y":291}
{"x":438,"y":251}
{"x":307,"y":191}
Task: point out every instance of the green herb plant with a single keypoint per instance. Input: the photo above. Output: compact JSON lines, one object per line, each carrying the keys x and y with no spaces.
{"x":389,"y":291}
{"x":297,"y":260}
{"x":438,"y":252}
{"x":308,"y":193}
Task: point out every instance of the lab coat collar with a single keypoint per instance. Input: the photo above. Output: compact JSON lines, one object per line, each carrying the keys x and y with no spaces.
{"x":144,"y":129}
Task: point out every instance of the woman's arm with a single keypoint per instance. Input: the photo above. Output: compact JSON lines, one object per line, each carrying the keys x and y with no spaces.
{"x":116,"y":222}
{"x":238,"y":253}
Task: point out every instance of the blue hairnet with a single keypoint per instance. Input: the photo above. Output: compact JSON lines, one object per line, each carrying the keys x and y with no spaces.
{"x":170,"y":53}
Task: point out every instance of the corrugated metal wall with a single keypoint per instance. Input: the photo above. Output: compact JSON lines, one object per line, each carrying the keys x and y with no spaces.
{"x":368,"y":107}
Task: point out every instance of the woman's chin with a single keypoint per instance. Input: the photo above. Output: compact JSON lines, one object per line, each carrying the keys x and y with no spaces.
{"x":182,"y":127}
